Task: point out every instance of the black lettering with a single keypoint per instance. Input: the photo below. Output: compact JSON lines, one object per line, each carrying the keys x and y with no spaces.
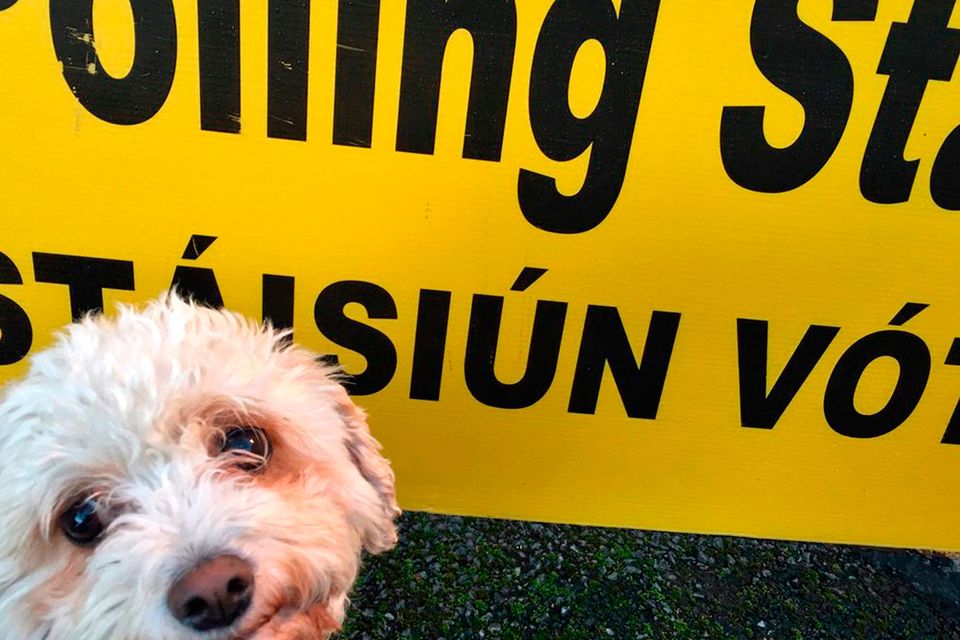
{"x":758,"y":409}
{"x":195,"y":283}
{"x":219,"y":27}
{"x":855,"y":10}
{"x":952,"y":434}
{"x":430,"y":344}
{"x":6,"y":4}
{"x":358,"y":24}
{"x":605,"y":342}
{"x":803,"y":63}
{"x":277,"y":305}
{"x":373,"y":345}
{"x":16,"y":332}
{"x":945,"y":180}
{"x":197,"y":245}
{"x":85,"y":277}
{"x":608,"y":131}
{"x":430,"y":23}
{"x":198,"y":285}
{"x":138,"y":96}
{"x":288,"y":49}
{"x":913,"y":356}
{"x":918,"y":51}
{"x":482,"y":339}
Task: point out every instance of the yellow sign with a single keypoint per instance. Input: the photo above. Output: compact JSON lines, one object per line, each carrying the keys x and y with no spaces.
{"x":670,"y":264}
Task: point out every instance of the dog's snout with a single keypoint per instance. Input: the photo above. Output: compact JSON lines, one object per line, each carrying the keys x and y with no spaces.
{"x":212,"y":595}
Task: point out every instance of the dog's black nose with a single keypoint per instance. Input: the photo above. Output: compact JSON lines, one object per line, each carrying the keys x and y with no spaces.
{"x":213,"y":594}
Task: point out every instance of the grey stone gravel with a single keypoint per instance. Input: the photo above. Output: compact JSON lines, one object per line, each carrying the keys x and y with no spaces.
{"x":456,"y":578}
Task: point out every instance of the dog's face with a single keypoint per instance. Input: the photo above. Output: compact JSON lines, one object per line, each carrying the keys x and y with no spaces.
{"x":180,"y":473}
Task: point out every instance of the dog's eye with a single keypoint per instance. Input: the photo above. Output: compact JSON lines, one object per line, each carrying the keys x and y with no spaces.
{"x":81,"y":522}
{"x":249,"y":444}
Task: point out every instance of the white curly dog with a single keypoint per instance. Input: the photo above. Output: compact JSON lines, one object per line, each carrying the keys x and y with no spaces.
{"x":182,"y":473}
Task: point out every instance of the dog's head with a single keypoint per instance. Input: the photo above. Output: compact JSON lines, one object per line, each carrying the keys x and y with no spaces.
{"x":182,"y":473}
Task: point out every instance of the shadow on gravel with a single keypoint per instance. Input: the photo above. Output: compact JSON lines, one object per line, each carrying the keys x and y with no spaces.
{"x":471,"y":578}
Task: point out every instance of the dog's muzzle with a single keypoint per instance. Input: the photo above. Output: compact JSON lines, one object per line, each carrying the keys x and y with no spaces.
{"x":212,"y":595}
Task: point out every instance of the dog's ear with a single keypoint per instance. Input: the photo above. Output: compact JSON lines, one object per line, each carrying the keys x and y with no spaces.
{"x":365,"y":452}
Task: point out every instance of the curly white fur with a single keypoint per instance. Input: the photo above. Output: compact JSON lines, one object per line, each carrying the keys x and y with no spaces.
{"x":127,"y":407}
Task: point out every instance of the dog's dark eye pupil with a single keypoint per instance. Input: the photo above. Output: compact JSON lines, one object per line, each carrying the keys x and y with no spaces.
{"x":81,"y":523}
{"x":247,"y":440}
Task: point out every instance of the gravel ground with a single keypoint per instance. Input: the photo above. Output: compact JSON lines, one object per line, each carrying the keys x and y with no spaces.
{"x":456,"y":578}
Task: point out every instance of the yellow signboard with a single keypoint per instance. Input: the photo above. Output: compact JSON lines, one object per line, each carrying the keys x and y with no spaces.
{"x":669,"y":264}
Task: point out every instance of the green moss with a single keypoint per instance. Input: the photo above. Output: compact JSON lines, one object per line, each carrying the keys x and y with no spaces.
{"x":453,"y":578}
